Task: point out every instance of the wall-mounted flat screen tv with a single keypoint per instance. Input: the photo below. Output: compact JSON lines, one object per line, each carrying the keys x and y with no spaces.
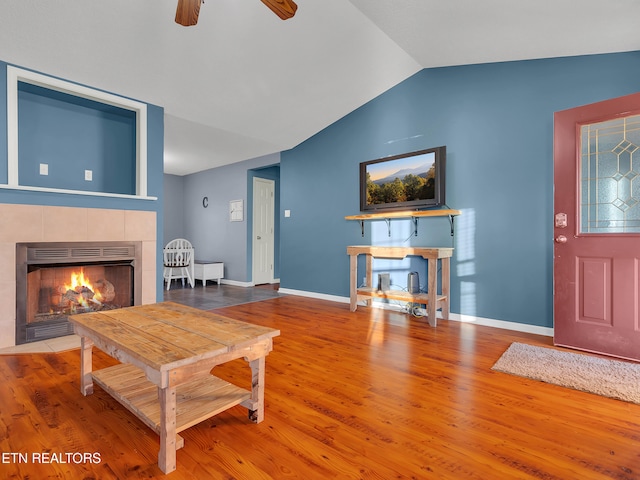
{"x":410,"y":181}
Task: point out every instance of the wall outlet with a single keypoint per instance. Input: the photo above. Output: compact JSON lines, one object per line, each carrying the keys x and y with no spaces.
{"x":44,"y":169}
{"x":88,"y":175}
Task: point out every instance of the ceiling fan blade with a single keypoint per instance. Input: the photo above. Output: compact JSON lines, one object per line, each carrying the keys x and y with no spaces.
{"x":283,"y":8}
{"x":187,"y":12}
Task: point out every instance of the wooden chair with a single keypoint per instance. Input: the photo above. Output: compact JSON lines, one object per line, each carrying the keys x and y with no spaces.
{"x":178,"y":261}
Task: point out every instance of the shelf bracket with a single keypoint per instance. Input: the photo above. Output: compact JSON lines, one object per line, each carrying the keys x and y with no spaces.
{"x":451,"y":217}
{"x":388,"y":220}
{"x":415,"y":226}
{"x":362,"y":227}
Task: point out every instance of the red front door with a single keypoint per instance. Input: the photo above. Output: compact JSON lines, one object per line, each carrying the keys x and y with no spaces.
{"x":597,"y":227}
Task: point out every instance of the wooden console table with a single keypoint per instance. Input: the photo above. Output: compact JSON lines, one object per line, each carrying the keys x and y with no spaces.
{"x":168,"y":351}
{"x":431,"y":299}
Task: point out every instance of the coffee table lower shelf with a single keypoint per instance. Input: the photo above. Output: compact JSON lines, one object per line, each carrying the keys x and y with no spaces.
{"x":196,"y":400}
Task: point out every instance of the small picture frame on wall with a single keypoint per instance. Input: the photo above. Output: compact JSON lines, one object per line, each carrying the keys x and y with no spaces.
{"x":236,"y":211}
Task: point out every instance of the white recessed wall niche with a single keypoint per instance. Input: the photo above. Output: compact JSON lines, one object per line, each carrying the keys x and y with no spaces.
{"x":17,"y":76}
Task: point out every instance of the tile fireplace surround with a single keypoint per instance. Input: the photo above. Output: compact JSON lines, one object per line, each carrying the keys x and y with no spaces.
{"x":34,"y":223}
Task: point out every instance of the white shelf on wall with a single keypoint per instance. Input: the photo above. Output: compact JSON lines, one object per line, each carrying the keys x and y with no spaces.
{"x":76,"y":192}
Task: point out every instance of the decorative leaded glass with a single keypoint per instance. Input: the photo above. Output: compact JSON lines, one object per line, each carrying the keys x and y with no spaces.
{"x":610,"y":176}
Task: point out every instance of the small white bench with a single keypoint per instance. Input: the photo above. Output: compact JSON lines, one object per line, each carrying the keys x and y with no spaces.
{"x":208,"y":270}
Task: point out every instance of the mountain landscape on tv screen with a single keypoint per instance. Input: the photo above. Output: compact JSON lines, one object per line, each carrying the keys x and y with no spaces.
{"x":419,"y":172}
{"x":405,"y":185}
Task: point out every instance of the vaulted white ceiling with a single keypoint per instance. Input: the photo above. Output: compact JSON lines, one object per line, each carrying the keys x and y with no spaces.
{"x":243,"y":83}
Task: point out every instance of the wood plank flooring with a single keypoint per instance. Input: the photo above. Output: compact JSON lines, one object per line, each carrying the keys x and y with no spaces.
{"x":365,"y":395}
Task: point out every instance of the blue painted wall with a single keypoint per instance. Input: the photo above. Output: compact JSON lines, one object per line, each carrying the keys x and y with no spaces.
{"x":497,"y":123}
{"x":68,"y":164}
{"x":213,"y":236}
{"x":174,"y":225}
{"x":57,"y":129}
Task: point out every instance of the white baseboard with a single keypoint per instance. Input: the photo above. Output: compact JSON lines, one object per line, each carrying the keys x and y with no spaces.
{"x":490,"y":322}
{"x":456,"y":317}
{"x":319,"y":296}
{"x":226,"y":281}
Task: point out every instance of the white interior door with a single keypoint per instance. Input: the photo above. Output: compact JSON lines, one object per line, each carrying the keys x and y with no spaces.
{"x":263,"y":234}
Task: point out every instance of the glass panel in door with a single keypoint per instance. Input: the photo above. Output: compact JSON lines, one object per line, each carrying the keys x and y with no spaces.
{"x":610,"y":176}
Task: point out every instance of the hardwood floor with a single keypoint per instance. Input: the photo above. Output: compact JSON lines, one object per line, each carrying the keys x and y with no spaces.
{"x":365,"y":395}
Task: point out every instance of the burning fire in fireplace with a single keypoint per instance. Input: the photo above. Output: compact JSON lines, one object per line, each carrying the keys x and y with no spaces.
{"x":81,"y":294}
{"x":62,"y":291}
{"x":55,"y":280}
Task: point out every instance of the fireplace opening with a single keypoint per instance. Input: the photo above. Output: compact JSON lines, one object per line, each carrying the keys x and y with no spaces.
{"x":55,"y":292}
{"x":57,"y":280}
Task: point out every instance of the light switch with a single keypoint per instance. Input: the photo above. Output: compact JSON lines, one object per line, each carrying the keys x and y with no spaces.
{"x":44,"y":169}
{"x":88,"y":175}
{"x":287,"y":213}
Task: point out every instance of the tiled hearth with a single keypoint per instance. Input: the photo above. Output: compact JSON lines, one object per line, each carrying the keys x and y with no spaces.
{"x":33,"y":223}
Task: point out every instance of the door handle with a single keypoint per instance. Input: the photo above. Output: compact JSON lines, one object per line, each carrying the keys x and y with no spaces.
{"x":259,"y":237}
{"x":561,"y":239}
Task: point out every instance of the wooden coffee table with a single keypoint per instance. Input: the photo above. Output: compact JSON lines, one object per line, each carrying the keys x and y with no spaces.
{"x":167,"y":352}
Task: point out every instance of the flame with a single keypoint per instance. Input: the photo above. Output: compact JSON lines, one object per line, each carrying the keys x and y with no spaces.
{"x":77,"y":281}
